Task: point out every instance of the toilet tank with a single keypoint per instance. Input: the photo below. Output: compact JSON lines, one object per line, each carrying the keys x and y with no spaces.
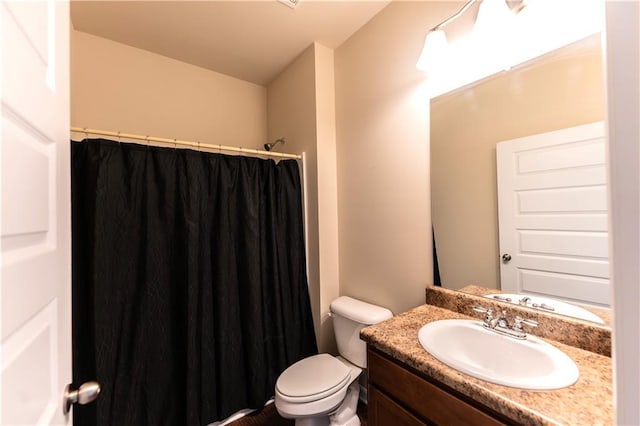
{"x":349,"y":317}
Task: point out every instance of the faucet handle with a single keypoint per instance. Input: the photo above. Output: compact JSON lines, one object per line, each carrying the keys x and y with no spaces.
{"x":543,"y":306}
{"x":483,"y":310}
{"x":518,"y":321}
{"x":488,"y":314}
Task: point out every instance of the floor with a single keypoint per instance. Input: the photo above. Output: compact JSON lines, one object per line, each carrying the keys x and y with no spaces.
{"x":268,"y":416}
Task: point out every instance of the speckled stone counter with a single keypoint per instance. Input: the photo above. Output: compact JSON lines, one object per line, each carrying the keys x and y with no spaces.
{"x":588,"y":402}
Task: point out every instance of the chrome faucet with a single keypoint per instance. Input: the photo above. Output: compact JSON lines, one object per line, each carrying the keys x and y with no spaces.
{"x":489,"y":320}
{"x":524,"y":301}
{"x":501,"y":325}
{"x":527,"y":301}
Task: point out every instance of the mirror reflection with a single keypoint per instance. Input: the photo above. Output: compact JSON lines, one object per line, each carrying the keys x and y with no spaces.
{"x":561,"y":90}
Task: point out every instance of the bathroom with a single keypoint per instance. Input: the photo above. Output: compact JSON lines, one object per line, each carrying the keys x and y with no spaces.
{"x":369,"y":223}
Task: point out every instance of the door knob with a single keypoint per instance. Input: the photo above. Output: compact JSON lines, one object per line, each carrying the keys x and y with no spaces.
{"x":506,"y":257}
{"x":86,"y":393}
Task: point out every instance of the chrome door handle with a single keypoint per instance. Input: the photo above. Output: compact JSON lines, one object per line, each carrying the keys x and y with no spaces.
{"x":506,"y":257}
{"x":86,"y":393}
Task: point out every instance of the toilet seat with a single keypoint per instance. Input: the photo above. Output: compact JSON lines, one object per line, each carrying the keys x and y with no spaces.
{"x":313,"y":378}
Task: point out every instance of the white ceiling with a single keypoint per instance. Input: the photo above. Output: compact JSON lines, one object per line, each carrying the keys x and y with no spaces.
{"x":249,"y":40}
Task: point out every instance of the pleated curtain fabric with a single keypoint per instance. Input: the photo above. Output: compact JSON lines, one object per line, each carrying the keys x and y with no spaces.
{"x":189,"y":282}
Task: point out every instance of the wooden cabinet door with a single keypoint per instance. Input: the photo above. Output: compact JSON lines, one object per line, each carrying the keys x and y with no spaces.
{"x":426,"y":399}
{"x":383,"y":411}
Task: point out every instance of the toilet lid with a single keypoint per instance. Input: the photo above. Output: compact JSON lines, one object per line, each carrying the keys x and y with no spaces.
{"x":313,"y":378}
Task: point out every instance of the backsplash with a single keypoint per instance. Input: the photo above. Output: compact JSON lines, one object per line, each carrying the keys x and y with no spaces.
{"x":603,"y":314}
{"x":577,"y":333}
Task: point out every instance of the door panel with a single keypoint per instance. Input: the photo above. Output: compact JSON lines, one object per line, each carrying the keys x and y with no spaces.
{"x":563,"y":200}
{"x":582,"y":244}
{"x":30,"y":212}
{"x":564,"y":285}
{"x":29,"y":377}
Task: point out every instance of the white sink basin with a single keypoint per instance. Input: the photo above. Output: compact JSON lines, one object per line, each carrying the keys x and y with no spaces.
{"x":561,"y":308}
{"x":469,"y":347}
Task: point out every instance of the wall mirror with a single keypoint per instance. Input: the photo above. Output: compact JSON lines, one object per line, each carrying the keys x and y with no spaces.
{"x":559,"y":90}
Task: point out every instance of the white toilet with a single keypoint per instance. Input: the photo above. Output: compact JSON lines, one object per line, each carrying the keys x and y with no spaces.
{"x":323,"y":389}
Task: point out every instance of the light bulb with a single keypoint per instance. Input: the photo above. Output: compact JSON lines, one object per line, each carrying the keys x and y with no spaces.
{"x":434,"y":53}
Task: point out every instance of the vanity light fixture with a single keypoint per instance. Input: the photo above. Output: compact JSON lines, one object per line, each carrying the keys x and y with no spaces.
{"x":493,"y":16}
{"x":490,"y":15}
{"x":291,"y":3}
{"x":434,"y":52}
{"x":435,"y":43}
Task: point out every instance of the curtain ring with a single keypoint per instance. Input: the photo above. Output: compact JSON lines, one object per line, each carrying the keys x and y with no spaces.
{"x":199,"y":149}
{"x":147,"y":139}
{"x":86,"y":134}
{"x":219,"y":149}
{"x":119,"y":141}
{"x":175,"y":143}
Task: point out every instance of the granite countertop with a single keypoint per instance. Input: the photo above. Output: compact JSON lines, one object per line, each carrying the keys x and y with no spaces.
{"x":588,"y":402}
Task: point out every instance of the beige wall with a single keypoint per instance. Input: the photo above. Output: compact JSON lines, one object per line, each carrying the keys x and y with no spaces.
{"x":327,"y":189}
{"x":121,"y":88}
{"x":301,"y":108}
{"x":564,"y":90}
{"x":382,"y":120}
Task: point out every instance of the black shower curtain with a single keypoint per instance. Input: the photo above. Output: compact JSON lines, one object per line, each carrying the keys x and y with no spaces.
{"x":189,"y":282}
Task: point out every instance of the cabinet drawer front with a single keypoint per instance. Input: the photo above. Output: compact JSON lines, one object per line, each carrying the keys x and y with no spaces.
{"x":384,"y":411}
{"x":424,"y":398}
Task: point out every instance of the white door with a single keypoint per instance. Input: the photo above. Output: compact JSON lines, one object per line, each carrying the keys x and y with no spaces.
{"x":552,"y":204}
{"x":35,"y":223}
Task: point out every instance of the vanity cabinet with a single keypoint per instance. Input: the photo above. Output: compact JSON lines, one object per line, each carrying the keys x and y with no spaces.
{"x":398,"y":395}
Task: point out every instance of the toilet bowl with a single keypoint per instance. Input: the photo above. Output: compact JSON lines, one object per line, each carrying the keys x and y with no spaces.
{"x":323,"y":389}
{"x":316,"y":387}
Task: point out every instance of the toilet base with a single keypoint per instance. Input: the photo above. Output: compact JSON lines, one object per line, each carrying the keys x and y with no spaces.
{"x":354,"y":421}
{"x":313,"y":421}
{"x":345,"y":415}
{"x":325,"y":421}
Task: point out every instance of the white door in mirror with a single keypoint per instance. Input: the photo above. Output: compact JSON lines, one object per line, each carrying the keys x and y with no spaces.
{"x":552,"y":198}
{"x":467,"y":346}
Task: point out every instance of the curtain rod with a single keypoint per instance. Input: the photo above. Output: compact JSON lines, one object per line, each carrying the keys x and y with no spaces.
{"x":192,"y":144}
